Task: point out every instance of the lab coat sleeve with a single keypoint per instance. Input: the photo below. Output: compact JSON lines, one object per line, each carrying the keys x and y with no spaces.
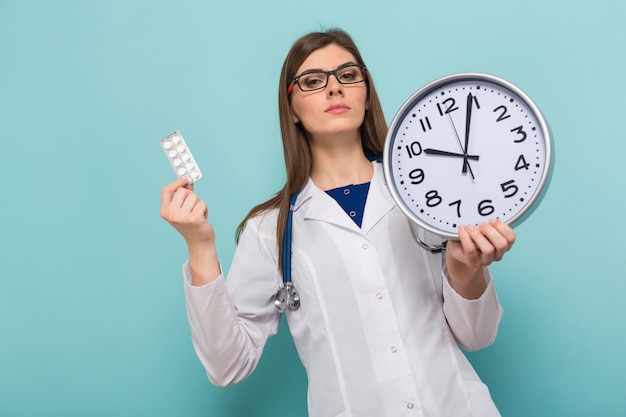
{"x":231,"y":319}
{"x":474,"y":323}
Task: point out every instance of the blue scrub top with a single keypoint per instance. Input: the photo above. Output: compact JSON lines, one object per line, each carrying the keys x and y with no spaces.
{"x":352,"y":199}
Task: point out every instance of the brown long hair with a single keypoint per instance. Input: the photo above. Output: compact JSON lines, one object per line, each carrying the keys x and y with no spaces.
{"x":296,"y":148}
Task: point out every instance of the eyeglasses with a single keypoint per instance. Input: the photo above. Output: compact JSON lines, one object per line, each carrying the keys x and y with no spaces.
{"x":317,"y":80}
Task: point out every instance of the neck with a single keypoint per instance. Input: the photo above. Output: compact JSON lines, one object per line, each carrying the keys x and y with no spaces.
{"x":337,"y":163}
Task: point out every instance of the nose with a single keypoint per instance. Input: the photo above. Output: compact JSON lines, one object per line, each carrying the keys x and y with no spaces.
{"x":333,"y":86}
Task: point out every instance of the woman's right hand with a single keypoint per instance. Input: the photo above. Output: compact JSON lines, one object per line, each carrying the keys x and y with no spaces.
{"x":183,"y":209}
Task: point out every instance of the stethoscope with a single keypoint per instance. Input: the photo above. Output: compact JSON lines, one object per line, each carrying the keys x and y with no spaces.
{"x":287,"y":298}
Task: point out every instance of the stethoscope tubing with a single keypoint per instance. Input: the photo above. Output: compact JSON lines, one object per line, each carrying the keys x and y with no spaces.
{"x":286,"y":260}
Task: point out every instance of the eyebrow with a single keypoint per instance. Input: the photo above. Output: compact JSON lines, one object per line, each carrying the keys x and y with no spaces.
{"x":308,"y":71}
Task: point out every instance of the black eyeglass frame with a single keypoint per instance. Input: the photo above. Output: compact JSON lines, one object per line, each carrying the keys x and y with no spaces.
{"x":296,"y":80}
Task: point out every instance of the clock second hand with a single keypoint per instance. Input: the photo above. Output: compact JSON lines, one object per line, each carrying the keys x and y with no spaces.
{"x":461,"y":145}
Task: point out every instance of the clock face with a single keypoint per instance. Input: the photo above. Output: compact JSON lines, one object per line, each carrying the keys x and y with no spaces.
{"x":466,"y":148}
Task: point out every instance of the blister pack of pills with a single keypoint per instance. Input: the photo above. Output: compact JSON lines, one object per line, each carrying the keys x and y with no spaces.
{"x":180,"y":156}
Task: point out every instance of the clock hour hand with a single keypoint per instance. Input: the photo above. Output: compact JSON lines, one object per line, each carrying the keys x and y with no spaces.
{"x":431,"y":151}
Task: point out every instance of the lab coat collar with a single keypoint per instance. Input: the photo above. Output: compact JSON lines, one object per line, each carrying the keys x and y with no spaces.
{"x":315,"y":204}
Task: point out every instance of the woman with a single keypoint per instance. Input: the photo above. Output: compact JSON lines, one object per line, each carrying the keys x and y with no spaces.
{"x":380,"y":317}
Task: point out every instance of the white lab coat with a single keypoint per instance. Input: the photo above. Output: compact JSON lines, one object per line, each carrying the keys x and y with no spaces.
{"x":378,"y":322}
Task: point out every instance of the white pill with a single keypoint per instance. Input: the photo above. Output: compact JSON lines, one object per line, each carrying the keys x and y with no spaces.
{"x":172,"y":154}
{"x":168,"y":145}
{"x":177,"y":162}
{"x":181,"y":171}
{"x":190,"y":166}
{"x":176,"y":139}
{"x":180,"y":148}
{"x":186,"y":157}
{"x":195,"y":175}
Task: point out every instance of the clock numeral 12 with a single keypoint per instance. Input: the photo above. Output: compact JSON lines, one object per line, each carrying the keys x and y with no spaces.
{"x":449,"y":105}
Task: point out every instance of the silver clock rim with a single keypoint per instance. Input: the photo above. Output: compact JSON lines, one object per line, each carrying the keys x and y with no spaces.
{"x":438,"y":83}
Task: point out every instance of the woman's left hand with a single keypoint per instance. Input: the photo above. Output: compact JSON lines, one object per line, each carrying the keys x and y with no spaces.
{"x":478,"y":247}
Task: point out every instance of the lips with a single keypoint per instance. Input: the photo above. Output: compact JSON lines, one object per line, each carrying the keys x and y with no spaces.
{"x":337,"y":108}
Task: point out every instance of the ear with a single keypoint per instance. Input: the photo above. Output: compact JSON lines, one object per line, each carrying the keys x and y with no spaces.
{"x":296,"y":120}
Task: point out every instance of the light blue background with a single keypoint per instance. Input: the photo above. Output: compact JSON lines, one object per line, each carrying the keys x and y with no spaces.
{"x":92,"y":318}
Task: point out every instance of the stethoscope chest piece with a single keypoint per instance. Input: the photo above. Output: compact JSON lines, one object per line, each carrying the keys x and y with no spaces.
{"x":286,"y":298}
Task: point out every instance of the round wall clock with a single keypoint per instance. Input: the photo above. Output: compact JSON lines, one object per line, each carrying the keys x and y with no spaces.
{"x":465,"y":148}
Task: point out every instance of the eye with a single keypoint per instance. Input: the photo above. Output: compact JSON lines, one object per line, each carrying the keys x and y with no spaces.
{"x":347,"y":75}
{"x":350,"y":74}
{"x":313,"y":80}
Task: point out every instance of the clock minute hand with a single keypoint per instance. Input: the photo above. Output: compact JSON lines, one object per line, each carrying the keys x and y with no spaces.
{"x":468,"y":119}
{"x":431,"y":151}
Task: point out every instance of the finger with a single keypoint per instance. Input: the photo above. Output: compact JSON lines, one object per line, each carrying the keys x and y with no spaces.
{"x":505,"y":230}
{"x":201,"y":209}
{"x":189,"y":202}
{"x":495,"y":238}
{"x":468,"y":252}
{"x":189,"y":185}
{"x":467,"y":243}
{"x":483,"y":244}
{"x":168,"y":191}
{"x":181,"y":194}
{"x":179,"y":198}
{"x":501,"y":236}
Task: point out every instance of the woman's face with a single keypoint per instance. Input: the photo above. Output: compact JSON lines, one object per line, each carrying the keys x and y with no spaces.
{"x":337,"y":109}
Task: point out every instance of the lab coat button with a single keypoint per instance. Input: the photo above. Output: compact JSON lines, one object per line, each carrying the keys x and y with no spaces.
{"x":346,"y":191}
{"x":379,"y":296}
{"x":410,"y":406}
{"x":352,"y":213}
{"x":394,"y":349}
{"x":364,"y":246}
